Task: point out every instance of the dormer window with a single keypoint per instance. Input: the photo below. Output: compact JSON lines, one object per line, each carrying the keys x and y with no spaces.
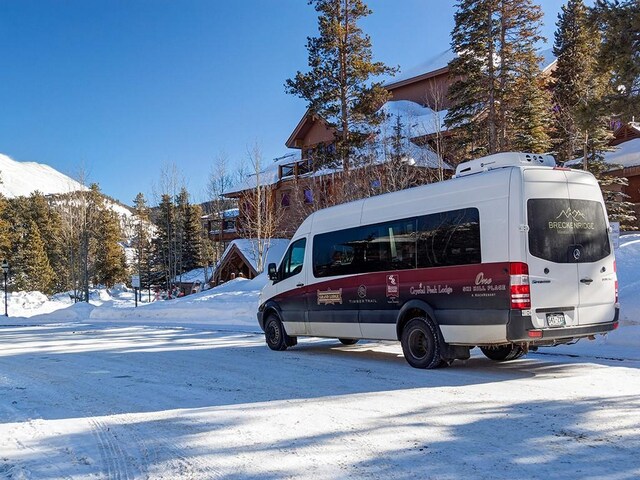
{"x":298,"y":168}
{"x":287,"y":170}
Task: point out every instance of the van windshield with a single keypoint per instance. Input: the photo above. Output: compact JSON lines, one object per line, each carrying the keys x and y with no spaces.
{"x":567,"y":231}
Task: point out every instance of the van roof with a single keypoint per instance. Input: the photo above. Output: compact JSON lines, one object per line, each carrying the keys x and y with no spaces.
{"x":448,"y":192}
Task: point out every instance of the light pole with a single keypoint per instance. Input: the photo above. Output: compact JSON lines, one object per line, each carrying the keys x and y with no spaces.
{"x":5,"y":271}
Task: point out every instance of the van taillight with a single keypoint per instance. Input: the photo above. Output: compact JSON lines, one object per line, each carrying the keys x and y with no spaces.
{"x":520,"y":289}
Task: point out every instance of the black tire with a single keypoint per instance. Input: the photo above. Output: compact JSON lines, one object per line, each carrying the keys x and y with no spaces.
{"x":274,"y":333}
{"x":421,"y":343}
{"x":348,"y":341}
{"x":503,"y":353}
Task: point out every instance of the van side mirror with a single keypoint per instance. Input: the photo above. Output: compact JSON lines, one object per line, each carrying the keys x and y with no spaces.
{"x":272,"y":272}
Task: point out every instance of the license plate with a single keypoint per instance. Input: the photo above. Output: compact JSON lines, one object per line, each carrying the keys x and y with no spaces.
{"x":555,"y":319}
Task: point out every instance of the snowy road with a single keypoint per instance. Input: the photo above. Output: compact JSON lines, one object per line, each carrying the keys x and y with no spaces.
{"x":124,"y":402}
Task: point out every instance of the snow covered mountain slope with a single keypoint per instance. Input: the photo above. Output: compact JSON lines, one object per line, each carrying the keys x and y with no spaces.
{"x":23,"y":178}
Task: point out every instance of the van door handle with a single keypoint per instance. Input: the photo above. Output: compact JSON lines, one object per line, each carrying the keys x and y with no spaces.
{"x":300,"y":285}
{"x":587,"y":281}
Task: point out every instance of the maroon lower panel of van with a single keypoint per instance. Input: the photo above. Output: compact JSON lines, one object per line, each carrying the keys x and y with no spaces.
{"x":480,"y":292}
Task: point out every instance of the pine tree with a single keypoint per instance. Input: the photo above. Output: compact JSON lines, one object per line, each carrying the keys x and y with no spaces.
{"x":141,"y":240}
{"x":36,"y":273}
{"x":338,"y":86}
{"x":474,"y":91}
{"x":5,"y":239}
{"x":619,"y":25}
{"x":163,"y":260}
{"x":110,"y":265}
{"x":181,"y":209}
{"x":581,"y":114}
{"x":49,"y":225}
{"x":577,"y":85}
{"x":193,"y":241}
{"x":18,"y":219}
{"x":495,"y":94}
{"x":531,"y":116}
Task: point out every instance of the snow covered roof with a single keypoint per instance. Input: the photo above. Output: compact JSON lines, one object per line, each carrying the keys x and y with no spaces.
{"x":231,"y":213}
{"x":626,"y":155}
{"x":548,"y":59}
{"x":269,"y":175}
{"x":438,"y":61}
{"x":197,"y":274}
{"x":442,"y":59}
{"x":247,"y":247}
{"x":418,"y":119}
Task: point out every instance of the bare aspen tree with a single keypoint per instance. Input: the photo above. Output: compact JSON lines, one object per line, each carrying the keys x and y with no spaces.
{"x":71,"y":213}
{"x":436,"y":98}
{"x":165,"y":193}
{"x":260,"y":213}
{"x":221,"y":179}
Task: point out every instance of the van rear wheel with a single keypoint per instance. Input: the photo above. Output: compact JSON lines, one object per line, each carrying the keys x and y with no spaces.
{"x":503,"y":353}
{"x":348,"y":341}
{"x":421,"y":343}
{"x":274,"y":333}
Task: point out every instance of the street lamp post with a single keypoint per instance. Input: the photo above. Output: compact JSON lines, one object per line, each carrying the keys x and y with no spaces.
{"x":5,"y":272}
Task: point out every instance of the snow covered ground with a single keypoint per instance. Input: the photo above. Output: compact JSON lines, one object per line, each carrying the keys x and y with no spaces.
{"x":186,"y":388}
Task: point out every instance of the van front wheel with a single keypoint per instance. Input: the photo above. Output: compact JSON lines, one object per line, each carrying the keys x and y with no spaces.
{"x":274,"y":333}
{"x":421,"y":343}
{"x":503,"y":353}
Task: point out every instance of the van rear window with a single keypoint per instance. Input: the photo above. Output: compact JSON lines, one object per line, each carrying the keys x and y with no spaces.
{"x":567,"y":231}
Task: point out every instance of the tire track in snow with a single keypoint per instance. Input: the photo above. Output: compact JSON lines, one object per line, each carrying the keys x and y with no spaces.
{"x":112,"y":455}
{"x":157,"y":450}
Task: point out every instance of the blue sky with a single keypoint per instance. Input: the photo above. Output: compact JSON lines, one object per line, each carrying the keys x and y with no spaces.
{"x":120,"y":88}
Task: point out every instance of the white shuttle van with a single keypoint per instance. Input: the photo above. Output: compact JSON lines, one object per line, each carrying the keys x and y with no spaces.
{"x":511,"y":254}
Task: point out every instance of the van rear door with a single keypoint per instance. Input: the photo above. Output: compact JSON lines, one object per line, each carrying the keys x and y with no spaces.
{"x":568,"y":247}
{"x":596,"y":271}
{"x":552,"y":275}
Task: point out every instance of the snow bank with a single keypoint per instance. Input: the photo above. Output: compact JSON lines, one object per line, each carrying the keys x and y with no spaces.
{"x":233,"y":304}
{"x":628,"y":262}
{"x":28,"y":304}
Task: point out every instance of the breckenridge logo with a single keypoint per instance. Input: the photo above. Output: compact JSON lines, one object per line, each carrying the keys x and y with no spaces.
{"x":571,"y":219}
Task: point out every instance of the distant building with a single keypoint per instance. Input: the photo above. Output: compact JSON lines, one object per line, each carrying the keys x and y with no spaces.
{"x":239,"y":259}
{"x":625,"y":158}
{"x":221,"y":226}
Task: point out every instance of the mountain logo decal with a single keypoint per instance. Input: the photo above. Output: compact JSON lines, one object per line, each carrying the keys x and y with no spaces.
{"x":575,"y":215}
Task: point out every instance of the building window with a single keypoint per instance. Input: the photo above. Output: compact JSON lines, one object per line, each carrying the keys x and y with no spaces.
{"x":286,"y":171}
{"x":229,"y":225}
{"x":304,"y":167}
{"x":308,"y":196}
{"x":284,"y":201}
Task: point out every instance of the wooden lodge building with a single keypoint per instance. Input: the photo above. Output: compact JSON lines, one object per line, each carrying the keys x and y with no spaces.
{"x":297,"y":187}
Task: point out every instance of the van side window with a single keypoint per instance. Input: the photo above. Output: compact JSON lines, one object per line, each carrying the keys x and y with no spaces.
{"x":442,"y":239}
{"x":388,"y":246}
{"x":449,"y":238}
{"x":292,"y":262}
